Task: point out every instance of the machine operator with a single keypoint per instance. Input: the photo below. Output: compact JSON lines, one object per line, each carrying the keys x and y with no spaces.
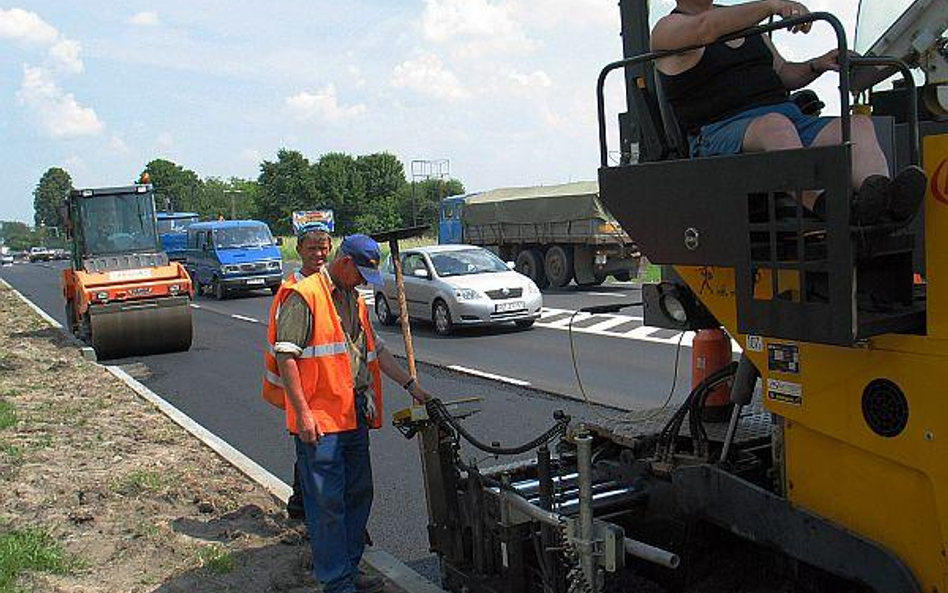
{"x":732,"y":97}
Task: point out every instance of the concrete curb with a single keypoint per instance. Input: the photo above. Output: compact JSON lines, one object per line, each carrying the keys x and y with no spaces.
{"x":396,"y":571}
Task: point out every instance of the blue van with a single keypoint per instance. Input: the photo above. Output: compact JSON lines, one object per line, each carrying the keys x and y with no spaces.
{"x":173,"y":232}
{"x":233,"y":256}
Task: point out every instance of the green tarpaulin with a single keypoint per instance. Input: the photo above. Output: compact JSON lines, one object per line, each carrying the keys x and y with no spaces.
{"x":535,"y":205}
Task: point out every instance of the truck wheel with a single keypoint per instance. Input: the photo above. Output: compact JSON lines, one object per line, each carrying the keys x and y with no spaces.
{"x":623,"y":276}
{"x":599,"y":279}
{"x":559,"y":265}
{"x":441,"y":318}
{"x":530,"y":264}
{"x":220,"y":293}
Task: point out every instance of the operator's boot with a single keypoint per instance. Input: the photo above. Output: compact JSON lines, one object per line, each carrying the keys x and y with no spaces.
{"x":883,"y":201}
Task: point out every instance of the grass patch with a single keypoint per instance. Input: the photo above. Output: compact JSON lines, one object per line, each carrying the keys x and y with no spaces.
{"x":11,"y":453}
{"x":140,"y":482}
{"x":23,"y":550}
{"x":7,"y":414}
{"x":216,"y":559}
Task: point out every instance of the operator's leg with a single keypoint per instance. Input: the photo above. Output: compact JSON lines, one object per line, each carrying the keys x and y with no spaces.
{"x":323,"y":478}
{"x":868,"y":158}
{"x":772,"y":131}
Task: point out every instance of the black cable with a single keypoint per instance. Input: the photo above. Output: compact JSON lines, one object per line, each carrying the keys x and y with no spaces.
{"x":438,"y":412}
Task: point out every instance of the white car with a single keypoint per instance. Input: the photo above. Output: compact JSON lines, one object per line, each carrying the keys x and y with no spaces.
{"x":458,"y":285}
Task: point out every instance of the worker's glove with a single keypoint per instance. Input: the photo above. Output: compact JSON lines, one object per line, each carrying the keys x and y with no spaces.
{"x":371,"y":413}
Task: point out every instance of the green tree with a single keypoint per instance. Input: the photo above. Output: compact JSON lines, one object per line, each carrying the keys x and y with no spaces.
{"x":17,"y":235}
{"x":421,"y":202}
{"x":234,"y":198}
{"x":285,"y":185}
{"x":175,"y":186}
{"x":382,"y":173}
{"x":339,"y":182}
{"x":50,"y":192}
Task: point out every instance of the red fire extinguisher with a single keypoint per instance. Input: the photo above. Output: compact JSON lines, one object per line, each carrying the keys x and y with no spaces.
{"x":711,"y":351}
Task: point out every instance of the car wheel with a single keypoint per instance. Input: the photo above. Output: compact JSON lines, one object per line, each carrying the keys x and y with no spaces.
{"x":524,"y":323}
{"x":441,"y":318}
{"x":558,"y":265}
{"x":382,"y":311}
{"x":220,"y":293}
{"x":274,"y":289}
{"x":530,"y":263}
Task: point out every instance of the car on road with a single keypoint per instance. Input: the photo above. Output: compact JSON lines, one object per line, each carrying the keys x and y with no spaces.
{"x":6,"y":258}
{"x":458,"y":285}
{"x":40,"y":254}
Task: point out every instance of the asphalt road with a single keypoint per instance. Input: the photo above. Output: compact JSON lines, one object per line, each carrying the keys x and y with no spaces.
{"x":217,"y":384}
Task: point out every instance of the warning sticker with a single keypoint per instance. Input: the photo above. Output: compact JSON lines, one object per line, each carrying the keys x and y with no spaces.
{"x":755,"y":343}
{"x":138,"y":274}
{"x":785,"y":392}
{"x":783,"y":358}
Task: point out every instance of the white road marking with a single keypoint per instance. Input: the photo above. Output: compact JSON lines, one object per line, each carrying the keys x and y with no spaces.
{"x":641,"y":333}
{"x":619,"y":295}
{"x":477,"y":373}
{"x":193,"y":306}
{"x":245,"y":318}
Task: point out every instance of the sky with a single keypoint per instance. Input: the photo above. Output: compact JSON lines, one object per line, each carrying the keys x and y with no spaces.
{"x":502,"y":89}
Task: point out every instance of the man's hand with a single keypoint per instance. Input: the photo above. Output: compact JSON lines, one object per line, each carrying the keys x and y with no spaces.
{"x":307,"y":429}
{"x":788,"y":9}
{"x":828,"y":61}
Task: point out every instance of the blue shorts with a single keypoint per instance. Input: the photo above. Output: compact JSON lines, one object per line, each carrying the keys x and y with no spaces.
{"x":727,"y":136}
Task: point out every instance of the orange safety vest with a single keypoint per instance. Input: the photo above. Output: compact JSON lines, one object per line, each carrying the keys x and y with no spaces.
{"x":324,"y":366}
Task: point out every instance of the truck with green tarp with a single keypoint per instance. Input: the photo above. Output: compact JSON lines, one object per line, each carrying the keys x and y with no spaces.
{"x":555,"y":234}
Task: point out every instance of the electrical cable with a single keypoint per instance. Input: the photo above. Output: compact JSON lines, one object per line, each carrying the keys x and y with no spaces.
{"x":438,"y":412}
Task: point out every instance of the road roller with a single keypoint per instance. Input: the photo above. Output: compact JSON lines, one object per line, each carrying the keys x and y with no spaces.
{"x":123,"y":296}
{"x":829,"y":473}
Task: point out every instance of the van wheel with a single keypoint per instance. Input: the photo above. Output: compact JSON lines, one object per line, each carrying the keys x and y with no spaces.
{"x":530,"y":263}
{"x":558,"y":265}
{"x":441,"y":318}
{"x":383,"y":311}
{"x":220,"y":293}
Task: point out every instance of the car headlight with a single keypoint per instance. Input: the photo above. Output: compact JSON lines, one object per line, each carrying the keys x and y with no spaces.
{"x":466,"y":294}
{"x":231,"y":269}
{"x":532,"y":288}
{"x":274,"y":265}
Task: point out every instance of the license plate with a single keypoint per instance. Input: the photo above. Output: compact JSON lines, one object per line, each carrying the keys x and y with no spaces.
{"x":256,"y":281}
{"x":511,"y":306}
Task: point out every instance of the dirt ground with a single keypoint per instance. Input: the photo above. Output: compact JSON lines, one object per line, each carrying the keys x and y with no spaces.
{"x":138,"y":503}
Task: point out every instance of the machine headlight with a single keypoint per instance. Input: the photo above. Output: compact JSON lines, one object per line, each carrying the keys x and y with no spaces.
{"x":466,"y":294}
{"x":102,"y":296}
{"x":673,"y":308}
{"x":532,"y":288}
{"x":231,"y":269}
{"x":274,"y":265}
{"x":174,"y":289}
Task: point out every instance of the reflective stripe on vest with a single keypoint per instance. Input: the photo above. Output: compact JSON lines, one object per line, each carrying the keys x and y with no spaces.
{"x":330,"y":349}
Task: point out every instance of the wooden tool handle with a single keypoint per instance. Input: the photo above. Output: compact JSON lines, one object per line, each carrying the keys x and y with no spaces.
{"x":403,"y":310}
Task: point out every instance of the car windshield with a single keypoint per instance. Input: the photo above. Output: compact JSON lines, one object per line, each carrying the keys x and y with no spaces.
{"x":466,"y":262}
{"x":175,"y":225}
{"x":120,"y":223}
{"x":239,"y":237}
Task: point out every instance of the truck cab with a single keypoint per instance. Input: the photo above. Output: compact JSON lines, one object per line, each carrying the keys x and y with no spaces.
{"x":451,"y":223}
{"x":173,"y":232}
{"x":233,"y":256}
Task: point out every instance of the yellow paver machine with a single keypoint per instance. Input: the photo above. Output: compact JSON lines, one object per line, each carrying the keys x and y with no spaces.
{"x":834,"y":463}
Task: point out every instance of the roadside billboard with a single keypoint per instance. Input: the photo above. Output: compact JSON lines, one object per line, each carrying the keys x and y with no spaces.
{"x":303,"y":218}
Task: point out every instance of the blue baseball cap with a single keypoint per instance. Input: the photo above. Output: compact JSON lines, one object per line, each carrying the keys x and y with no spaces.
{"x":365,"y":252}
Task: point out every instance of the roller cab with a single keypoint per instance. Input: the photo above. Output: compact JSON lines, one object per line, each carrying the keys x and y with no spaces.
{"x":123,"y":296}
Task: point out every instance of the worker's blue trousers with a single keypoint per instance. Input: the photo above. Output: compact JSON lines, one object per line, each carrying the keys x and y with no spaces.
{"x":336,"y":476}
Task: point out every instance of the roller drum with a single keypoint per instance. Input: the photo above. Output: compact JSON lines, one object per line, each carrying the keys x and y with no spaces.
{"x":140,"y":327}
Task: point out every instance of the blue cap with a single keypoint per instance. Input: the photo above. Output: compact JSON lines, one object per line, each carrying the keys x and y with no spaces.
{"x":365,"y":252}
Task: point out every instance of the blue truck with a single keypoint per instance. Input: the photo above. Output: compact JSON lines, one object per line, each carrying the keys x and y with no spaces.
{"x":173,"y":232}
{"x":233,"y":256}
{"x":555,"y":234}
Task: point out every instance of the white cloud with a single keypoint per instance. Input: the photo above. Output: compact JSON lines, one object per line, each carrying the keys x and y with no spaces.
{"x":535,"y":79}
{"x":117,"y":145}
{"x":164,"y":142}
{"x":20,"y":25}
{"x":322,"y":105}
{"x":58,"y":112}
{"x":29,"y":28}
{"x":65,"y":54}
{"x":251,"y":155}
{"x":147,"y":18}
{"x":427,"y":75}
{"x":572,"y":13}
{"x":474,"y":27}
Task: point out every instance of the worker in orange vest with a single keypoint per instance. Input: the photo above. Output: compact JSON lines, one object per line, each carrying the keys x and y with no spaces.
{"x":313,"y":245}
{"x":328,"y":370}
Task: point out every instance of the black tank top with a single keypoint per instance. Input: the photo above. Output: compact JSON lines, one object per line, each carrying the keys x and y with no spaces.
{"x":724,"y":82}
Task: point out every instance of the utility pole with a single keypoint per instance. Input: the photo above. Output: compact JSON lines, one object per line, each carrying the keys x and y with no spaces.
{"x":426,"y":169}
{"x":233,"y":202}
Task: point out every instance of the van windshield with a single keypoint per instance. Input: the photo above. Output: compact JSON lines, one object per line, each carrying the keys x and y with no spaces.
{"x":242,"y":237}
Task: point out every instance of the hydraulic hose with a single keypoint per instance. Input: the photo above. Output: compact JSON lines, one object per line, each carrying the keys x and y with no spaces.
{"x":439,"y":413}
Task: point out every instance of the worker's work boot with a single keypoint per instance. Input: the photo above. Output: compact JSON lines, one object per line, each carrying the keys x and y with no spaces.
{"x":368,"y":583}
{"x":871,"y":201}
{"x":905,"y":194}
